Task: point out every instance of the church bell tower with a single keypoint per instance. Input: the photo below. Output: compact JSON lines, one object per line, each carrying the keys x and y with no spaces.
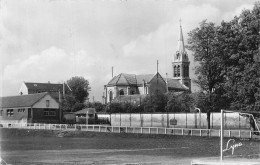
{"x":181,"y":63}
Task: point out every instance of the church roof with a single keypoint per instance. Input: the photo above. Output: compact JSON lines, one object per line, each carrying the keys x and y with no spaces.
{"x":21,"y":100}
{"x":123,"y":79}
{"x":175,"y":84}
{"x":144,"y":77}
{"x":130,"y":79}
{"x":138,"y":80}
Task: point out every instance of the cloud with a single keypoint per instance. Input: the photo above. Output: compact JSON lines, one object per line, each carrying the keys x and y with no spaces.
{"x":230,"y":15}
{"x":54,"y":65}
{"x":54,"y":40}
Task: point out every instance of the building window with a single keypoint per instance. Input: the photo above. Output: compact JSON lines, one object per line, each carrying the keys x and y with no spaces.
{"x":110,"y":96}
{"x":175,"y":71}
{"x":10,"y":112}
{"x":47,"y":103}
{"x":49,"y":112}
{"x":121,"y":92}
{"x":178,"y":71}
{"x":187,"y":71}
{"x":21,"y":110}
{"x":52,"y":112}
{"x":1,"y":112}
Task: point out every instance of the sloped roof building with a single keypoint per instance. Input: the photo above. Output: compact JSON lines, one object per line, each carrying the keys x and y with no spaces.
{"x":131,"y":84}
{"x":56,"y":90}
{"x":31,"y":108}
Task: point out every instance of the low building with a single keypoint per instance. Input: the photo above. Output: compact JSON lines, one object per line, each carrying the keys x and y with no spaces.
{"x":31,"y":108}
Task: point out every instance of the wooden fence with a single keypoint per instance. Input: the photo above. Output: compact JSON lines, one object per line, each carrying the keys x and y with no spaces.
{"x":138,"y":130}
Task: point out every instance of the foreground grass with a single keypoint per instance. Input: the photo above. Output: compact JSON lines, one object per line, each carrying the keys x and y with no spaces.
{"x":104,"y":145}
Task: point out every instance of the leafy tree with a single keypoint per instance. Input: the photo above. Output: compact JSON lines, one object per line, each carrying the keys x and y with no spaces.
{"x":204,"y":43}
{"x":67,"y":103}
{"x":228,"y":72}
{"x":97,"y":105}
{"x":80,"y":88}
{"x":114,"y":108}
{"x":240,"y":44}
{"x":155,"y":102}
{"x":180,"y":102}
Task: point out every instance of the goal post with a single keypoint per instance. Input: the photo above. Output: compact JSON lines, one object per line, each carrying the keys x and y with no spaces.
{"x":252,"y":121}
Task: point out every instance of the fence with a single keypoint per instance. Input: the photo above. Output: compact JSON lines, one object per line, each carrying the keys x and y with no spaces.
{"x":139,"y":130}
{"x":184,"y":120}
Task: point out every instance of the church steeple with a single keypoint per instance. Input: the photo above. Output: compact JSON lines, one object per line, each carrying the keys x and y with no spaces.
{"x":181,"y":62}
{"x":181,"y":54}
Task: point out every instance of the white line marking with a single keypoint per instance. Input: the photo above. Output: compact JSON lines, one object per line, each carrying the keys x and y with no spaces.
{"x":131,"y":150}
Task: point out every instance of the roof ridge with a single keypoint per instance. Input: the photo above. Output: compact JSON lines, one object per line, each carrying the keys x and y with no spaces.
{"x":43,"y":83}
{"x":26,"y":94}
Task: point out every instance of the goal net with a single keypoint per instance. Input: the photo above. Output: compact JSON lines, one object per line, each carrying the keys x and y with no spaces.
{"x":233,"y":142}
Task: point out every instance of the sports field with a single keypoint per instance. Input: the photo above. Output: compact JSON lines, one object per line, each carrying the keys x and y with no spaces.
{"x":76,"y":147}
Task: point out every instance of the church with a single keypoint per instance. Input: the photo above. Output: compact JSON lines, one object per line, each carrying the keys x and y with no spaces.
{"x":137,"y":86}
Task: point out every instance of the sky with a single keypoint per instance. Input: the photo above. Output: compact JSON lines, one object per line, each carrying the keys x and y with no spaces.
{"x":54,"y":40}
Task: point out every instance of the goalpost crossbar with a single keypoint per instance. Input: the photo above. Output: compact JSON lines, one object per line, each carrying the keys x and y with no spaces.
{"x":222,"y":128}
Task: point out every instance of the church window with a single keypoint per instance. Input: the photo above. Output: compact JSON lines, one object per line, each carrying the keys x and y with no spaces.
{"x":178,"y":71}
{"x":121,"y":92}
{"x":184,"y":70}
{"x":175,"y":71}
{"x":188,"y":71}
{"x":178,"y":55}
{"x":110,"y":96}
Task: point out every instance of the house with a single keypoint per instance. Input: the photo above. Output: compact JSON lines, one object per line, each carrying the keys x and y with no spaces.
{"x":56,"y":90}
{"x":31,"y":108}
{"x":130,"y":84}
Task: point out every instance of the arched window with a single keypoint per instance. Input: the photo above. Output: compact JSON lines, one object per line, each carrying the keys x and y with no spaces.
{"x":185,"y":71}
{"x":178,"y":71}
{"x":110,"y":96}
{"x":188,"y":71}
{"x":121,"y":92}
{"x":175,"y":71}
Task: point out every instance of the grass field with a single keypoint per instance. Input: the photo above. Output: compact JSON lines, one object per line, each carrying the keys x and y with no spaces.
{"x":76,"y":147}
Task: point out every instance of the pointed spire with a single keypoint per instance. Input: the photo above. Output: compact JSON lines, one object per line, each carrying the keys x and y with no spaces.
{"x":181,"y":54}
{"x":181,"y":47}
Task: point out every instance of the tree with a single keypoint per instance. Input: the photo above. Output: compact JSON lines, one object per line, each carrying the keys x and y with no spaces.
{"x":228,"y":72}
{"x":204,"y":43}
{"x":67,"y":103}
{"x":97,"y":105}
{"x":80,"y":88}
{"x":240,"y":43}
{"x":179,"y":102}
{"x":155,"y":102}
